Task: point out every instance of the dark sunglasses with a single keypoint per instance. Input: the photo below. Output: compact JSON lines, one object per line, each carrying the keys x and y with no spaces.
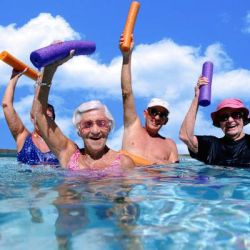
{"x":89,"y":124}
{"x":154,"y":112}
{"x":235,"y":115}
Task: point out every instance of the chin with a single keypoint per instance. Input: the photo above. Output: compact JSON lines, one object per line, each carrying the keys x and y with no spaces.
{"x":97,"y":145}
{"x":232,"y":134}
{"x":154,"y":128}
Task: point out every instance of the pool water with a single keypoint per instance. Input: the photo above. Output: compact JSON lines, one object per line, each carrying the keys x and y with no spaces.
{"x":183,"y":206}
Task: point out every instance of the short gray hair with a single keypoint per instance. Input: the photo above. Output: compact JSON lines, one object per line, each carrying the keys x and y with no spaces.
{"x":92,"y":105}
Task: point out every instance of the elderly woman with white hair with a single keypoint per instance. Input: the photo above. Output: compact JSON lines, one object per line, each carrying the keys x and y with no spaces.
{"x":93,"y":122}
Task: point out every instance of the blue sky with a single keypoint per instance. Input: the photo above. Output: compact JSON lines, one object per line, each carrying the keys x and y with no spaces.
{"x":172,"y":40}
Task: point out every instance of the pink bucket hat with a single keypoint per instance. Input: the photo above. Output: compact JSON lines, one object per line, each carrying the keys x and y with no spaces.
{"x":230,"y":103}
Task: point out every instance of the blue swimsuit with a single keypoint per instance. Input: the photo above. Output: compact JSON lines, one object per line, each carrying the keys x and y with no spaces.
{"x":31,"y":155}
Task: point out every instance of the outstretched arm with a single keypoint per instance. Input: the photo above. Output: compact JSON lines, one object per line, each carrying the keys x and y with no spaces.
{"x":58,"y":143}
{"x":129,"y":110}
{"x":186,"y":133}
{"x":16,"y":126}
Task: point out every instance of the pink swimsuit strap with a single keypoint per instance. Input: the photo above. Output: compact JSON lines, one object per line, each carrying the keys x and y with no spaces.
{"x":73,"y":163}
{"x":117,"y":161}
{"x":114,"y":168}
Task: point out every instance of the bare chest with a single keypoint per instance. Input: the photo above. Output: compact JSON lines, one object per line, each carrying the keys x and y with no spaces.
{"x":154,"y":149}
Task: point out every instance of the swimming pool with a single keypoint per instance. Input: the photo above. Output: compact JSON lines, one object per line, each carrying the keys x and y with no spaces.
{"x":185,"y":206}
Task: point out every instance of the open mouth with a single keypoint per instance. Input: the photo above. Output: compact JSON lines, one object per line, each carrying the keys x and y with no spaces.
{"x":231,"y":126}
{"x":155,"y":123}
{"x":95,"y":138}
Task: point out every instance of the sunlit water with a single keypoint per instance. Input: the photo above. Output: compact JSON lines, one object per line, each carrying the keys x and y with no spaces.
{"x":183,"y":206}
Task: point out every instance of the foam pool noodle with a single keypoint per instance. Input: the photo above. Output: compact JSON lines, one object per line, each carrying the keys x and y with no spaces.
{"x":54,"y":52}
{"x":15,"y":63}
{"x":205,"y":90}
{"x":129,"y":26}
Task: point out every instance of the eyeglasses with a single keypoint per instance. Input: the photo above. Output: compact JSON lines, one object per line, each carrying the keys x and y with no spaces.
{"x":89,"y":124}
{"x":235,"y":115}
{"x":154,"y":112}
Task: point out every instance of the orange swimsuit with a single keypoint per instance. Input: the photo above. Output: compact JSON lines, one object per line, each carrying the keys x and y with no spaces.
{"x":139,"y":161}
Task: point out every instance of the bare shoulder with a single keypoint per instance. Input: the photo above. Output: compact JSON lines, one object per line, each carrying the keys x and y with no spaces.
{"x":172,"y":149}
{"x":67,"y":150}
{"x":170,"y":142}
{"x":126,"y":161}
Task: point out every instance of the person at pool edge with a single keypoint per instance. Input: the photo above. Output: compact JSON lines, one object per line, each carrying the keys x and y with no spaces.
{"x":144,"y":144}
{"x":31,"y":148}
{"x":233,"y":149}
{"x":93,"y":122}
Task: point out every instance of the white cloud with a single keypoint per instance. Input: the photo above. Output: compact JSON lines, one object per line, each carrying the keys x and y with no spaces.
{"x":115,"y":139}
{"x":164,"y":69}
{"x":171,"y":67}
{"x":246,"y":29}
{"x":38,"y":32}
{"x":234,"y":83}
{"x":65,"y":124}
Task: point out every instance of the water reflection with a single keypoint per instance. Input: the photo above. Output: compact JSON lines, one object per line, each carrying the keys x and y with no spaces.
{"x":86,"y":204}
{"x":161,"y":207}
{"x":72,"y":217}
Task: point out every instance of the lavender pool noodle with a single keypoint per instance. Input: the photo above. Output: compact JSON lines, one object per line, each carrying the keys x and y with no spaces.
{"x":205,"y":90}
{"x":58,"y":51}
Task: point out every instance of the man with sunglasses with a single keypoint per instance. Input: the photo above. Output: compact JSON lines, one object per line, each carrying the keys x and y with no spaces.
{"x":233,"y":149}
{"x":144,"y":144}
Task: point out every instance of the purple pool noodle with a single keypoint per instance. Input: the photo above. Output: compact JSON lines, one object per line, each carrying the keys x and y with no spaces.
{"x":58,"y":51}
{"x":205,"y":90}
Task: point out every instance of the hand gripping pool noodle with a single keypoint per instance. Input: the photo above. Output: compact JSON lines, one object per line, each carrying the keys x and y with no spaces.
{"x":205,"y":90}
{"x":58,"y":51}
{"x":129,"y":26}
{"x":6,"y":57}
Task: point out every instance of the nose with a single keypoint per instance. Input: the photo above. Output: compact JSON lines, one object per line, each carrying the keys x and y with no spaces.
{"x":157,"y":117}
{"x":95,"y":129}
{"x":230,"y":119}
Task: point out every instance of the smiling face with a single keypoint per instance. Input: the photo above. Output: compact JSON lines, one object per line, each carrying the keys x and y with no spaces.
{"x":155,"y":118}
{"x":231,"y":123}
{"x":94,"y":128}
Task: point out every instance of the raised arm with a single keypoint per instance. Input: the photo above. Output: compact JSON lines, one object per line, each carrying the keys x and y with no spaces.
{"x":129,"y":111}
{"x":187,"y":128}
{"x":58,"y":143}
{"x":16,"y":126}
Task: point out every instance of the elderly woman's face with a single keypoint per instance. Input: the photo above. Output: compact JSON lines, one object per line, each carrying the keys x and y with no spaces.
{"x":231,"y":122}
{"x":94,"y":128}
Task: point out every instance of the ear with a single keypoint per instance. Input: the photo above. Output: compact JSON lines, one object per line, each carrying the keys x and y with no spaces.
{"x":32,"y":118}
{"x":145,"y":112}
{"x":79,"y":133}
{"x":166,"y":121}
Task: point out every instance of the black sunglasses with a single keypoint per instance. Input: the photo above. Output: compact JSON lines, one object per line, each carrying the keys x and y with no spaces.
{"x":235,"y":115}
{"x":154,"y":112}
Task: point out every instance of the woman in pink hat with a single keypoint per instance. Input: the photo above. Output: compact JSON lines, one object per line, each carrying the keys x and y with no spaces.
{"x":233,"y":149}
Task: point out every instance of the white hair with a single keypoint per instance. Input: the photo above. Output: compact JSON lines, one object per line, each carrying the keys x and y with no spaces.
{"x":92,"y":105}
